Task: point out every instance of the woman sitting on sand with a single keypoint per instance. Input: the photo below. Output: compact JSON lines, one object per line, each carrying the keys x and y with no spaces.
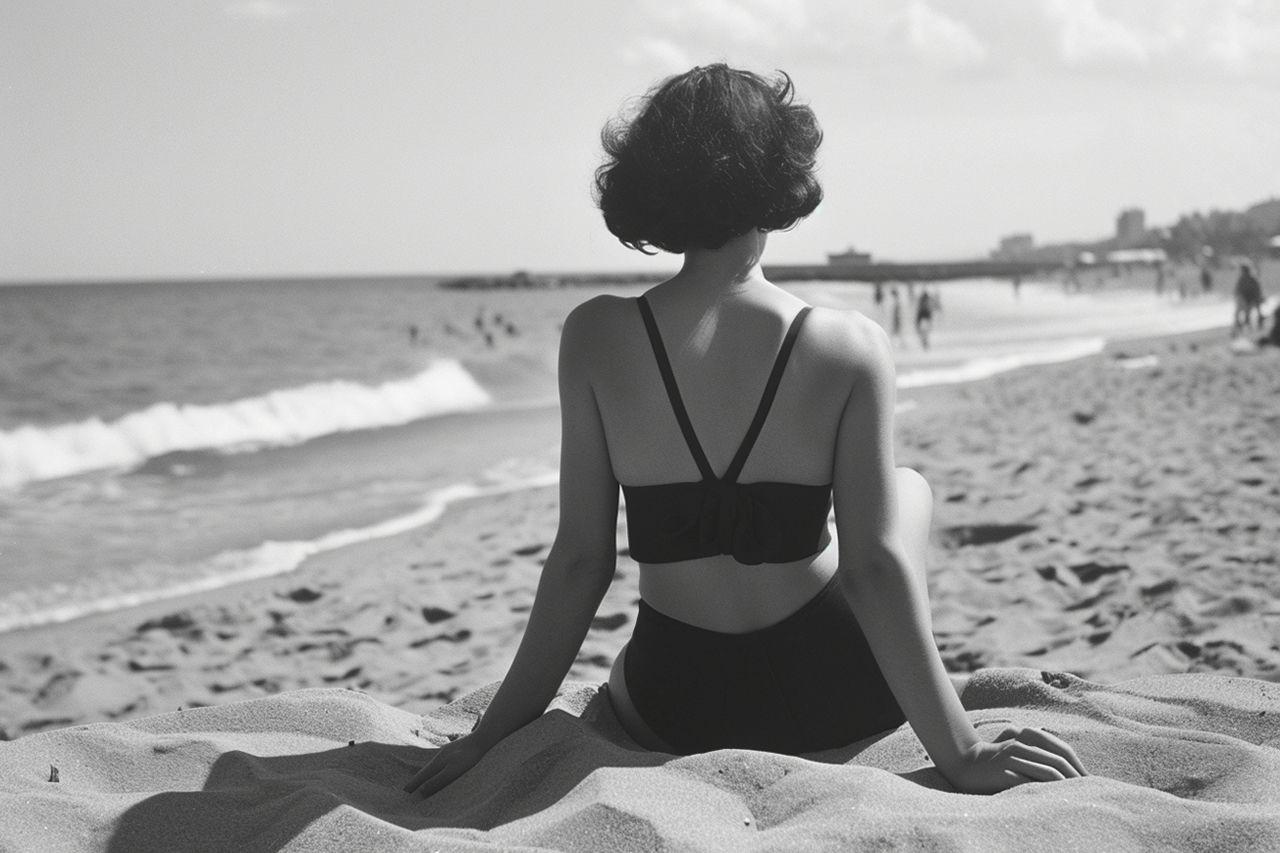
{"x":730,"y":412}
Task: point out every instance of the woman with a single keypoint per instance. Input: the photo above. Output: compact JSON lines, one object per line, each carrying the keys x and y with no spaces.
{"x":729,"y":413}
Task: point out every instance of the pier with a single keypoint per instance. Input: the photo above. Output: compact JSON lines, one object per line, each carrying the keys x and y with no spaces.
{"x":872,"y":272}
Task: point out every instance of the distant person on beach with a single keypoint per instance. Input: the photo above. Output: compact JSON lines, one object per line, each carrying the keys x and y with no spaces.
{"x":729,"y":413}
{"x":878,"y":293}
{"x":1206,"y":279}
{"x":1248,"y":300}
{"x":895,"y":313}
{"x":924,"y":317}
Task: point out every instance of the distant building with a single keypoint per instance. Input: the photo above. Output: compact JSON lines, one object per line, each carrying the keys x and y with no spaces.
{"x":848,"y":257}
{"x":1014,"y":247}
{"x":1131,"y":226}
{"x":1137,"y":256}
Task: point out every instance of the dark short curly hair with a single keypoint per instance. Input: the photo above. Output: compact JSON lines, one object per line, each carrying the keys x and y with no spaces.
{"x":711,"y":154}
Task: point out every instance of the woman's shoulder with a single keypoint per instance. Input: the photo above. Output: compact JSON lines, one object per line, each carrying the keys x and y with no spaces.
{"x":854,"y":356}
{"x":848,"y":340}
{"x":604,"y":308}
{"x":593,"y":327}
{"x":599,"y":317}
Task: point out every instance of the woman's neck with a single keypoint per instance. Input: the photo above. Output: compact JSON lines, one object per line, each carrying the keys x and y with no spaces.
{"x":730,"y":267}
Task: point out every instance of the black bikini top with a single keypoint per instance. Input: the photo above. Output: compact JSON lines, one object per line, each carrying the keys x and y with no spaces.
{"x":752,"y":522}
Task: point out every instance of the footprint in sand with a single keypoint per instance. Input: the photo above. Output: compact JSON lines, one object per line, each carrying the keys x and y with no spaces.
{"x":346,"y":676}
{"x":137,"y":666}
{"x":609,"y":623}
{"x":278,"y":627}
{"x":529,"y":550}
{"x":55,"y":688}
{"x":436,"y":614}
{"x":1098,"y":637}
{"x":1091,"y":571}
{"x":174,"y":623}
{"x":456,"y":637}
{"x":302,"y":595}
{"x":1188,"y":648}
{"x":982,"y":534}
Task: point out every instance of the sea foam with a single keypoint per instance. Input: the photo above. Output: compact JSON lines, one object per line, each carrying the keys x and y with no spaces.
{"x":988,"y":366}
{"x":104,"y":593}
{"x":283,"y":417}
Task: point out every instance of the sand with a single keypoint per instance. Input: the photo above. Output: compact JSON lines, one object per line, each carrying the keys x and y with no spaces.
{"x":1189,"y":763}
{"x":1114,"y":518}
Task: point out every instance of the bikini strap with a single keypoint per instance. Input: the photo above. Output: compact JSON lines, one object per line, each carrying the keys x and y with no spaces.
{"x":673,"y":392}
{"x":766,"y":401}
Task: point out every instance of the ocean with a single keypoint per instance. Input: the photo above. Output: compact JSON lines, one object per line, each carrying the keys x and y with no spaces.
{"x":161,"y":438}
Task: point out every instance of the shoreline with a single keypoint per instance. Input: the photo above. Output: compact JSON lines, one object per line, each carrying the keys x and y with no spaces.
{"x":276,"y":547}
{"x":916,"y":377}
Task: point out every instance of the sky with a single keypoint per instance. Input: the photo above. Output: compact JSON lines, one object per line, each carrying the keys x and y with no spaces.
{"x":180,"y":138}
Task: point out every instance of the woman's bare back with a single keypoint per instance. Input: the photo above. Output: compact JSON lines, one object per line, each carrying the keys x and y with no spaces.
{"x":721,"y":351}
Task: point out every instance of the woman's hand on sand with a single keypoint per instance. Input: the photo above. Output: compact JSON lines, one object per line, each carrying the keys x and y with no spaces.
{"x":450,"y":761}
{"x":1016,"y":756}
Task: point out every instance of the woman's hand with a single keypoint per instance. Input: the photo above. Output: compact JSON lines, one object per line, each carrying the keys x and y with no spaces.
{"x":450,"y":761}
{"x":1017,"y":755}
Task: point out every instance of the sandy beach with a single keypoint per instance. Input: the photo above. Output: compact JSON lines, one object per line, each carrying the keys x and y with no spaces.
{"x":290,"y":295}
{"x":1103,"y":527}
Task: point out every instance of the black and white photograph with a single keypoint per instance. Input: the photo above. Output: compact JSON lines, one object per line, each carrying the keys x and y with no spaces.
{"x":716,"y":425}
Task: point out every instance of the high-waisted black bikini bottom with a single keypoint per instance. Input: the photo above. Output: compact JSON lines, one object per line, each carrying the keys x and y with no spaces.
{"x":803,"y":684}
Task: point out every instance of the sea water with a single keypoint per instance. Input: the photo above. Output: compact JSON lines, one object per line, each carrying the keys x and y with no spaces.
{"x":160,"y":438}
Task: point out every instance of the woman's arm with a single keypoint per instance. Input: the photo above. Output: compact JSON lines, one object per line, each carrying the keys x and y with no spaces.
{"x":890,"y":600}
{"x":578,"y":570}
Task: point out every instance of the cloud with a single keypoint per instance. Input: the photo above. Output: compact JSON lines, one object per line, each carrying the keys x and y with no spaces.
{"x":1086,"y":35}
{"x":1169,"y":41}
{"x":753,"y":23}
{"x":942,"y":39}
{"x":261,"y":10}
{"x":656,"y":51}
{"x":1187,"y":39}
{"x":1244,"y":38}
{"x":807,"y":30}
